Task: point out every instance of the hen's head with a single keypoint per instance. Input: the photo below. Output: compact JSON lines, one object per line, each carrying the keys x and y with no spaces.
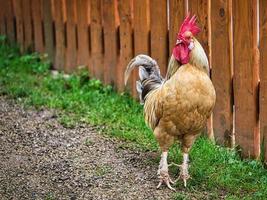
{"x":185,"y":41}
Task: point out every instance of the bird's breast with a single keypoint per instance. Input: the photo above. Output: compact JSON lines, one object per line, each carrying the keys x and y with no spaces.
{"x":190,"y":98}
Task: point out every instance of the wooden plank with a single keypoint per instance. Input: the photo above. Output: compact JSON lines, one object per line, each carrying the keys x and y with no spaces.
{"x":141,"y":33}
{"x":2,"y":24}
{"x":37,"y":26}
{"x":263,"y":75}
{"x":48,"y":29}
{"x":126,"y":40}
{"x":71,"y":51}
{"x":10,"y":28}
{"x":60,"y":35}
{"x":200,"y":8}
{"x":27,"y":24}
{"x":19,"y":23}
{"x":159,"y":33}
{"x":96,"y":39}
{"x":222,"y":70}
{"x":82,"y":33}
{"x":110,"y":44}
{"x":2,"y":17}
{"x":246,"y":76}
{"x":177,"y":12}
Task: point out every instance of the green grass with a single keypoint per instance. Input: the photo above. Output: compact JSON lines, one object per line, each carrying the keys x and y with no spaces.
{"x":216,"y":171}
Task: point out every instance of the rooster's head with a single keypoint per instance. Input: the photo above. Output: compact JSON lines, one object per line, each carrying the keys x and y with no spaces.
{"x":185,"y":40}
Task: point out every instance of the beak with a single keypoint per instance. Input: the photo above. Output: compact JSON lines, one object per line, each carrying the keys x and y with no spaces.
{"x":191,"y":45}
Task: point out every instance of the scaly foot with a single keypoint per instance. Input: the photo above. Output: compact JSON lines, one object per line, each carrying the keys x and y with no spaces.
{"x":165,"y":178}
{"x":184,"y":175}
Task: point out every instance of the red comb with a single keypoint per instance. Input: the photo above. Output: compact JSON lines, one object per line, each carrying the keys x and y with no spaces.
{"x":189,"y":24}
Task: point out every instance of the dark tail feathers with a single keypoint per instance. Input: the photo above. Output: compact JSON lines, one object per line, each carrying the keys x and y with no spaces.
{"x":149,"y":75}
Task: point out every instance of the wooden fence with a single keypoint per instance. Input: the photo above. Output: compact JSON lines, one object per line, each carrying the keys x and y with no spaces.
{"x":105,"y":34}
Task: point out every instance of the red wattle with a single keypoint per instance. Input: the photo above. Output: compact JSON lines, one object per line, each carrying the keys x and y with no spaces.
{"x":181,"y":53}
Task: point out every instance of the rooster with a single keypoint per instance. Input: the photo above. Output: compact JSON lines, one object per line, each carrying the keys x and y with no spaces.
{"x":177,"y":107}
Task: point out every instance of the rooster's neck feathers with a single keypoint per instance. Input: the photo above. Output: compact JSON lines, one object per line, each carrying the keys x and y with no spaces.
{"x":198,"y":57}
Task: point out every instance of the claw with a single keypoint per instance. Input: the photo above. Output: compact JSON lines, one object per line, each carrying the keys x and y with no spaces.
{"x":183,"y":174}
{"x":184,"y":182}
{"x":169,"y":186}
{"x":167,"y":183}
{"x":165,"y":178}
{"x":171,"y":181}
{"x":160,"y":183}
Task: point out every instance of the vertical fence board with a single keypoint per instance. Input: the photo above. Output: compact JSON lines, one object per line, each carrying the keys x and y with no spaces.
{"x":141,"y":32}
{"x":245,"y":77}
{"x":200,"y":9}
{"x":82,"y":33}
{"x":71,"y":50}
{"x":60,"y":35}
{"x":3,"y":17}
{"x":96,"y":39}
{"x":10,"y":21}
{"x":221,"y":71}
{"x":126,"y":33}
{"x":263,"y":75}
{"x":110,"y":42}
{"x":48,"y":29}
{"x":159,"y":26}
{"x":37,"y":26}
{"x":19,"y":22}
{"x":177,"y":12}
{"x":27,"y":23}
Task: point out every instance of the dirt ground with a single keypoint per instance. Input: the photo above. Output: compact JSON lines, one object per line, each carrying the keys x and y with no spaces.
{"x":40,"y":159}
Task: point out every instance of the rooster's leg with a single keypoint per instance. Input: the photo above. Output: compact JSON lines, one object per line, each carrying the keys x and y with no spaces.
{"x":163,"y":171}
{"x":187,"y":143}
{"x":165,"y":141}
{"x":184,"y":175}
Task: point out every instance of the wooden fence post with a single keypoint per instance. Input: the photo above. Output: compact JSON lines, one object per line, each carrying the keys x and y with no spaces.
{"x":177,"y":13}
{"x":19,"y":23}
{"x":126,"y":38}
{"x":83,"y":56}
{"x":48,"y":29}
{"x":71,"y":50}
{"x":27,"y":23}
{"x":141,"y":33}
{"x":10,"y":28}
{"x":158,"y":32}
{"x":246,"y":77}
{"x":200,"y":8}
{"x":60,"y":35}
{"x":2,"y":18}
{"x":110,"y":42}
{"x":263,"y":75}
{"x":222,"y":70}
{"x":37,"y":26}
{"x":96,"y":38}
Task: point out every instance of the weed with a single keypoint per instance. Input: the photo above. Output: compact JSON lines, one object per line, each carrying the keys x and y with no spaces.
{"x":50,"y":196}
{"x":88,"y":142}
{"x":102,"y":170}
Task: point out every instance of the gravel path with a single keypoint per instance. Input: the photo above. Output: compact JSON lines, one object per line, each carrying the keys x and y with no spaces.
{"x":40,"y":159}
